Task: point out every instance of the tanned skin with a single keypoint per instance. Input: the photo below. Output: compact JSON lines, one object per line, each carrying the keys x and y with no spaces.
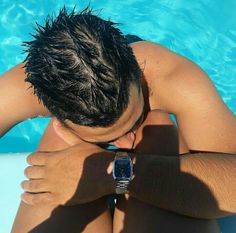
{"x":204,"y":124}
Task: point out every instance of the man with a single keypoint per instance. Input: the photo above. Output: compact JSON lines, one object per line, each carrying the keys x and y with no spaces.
{"x":86,"y":75}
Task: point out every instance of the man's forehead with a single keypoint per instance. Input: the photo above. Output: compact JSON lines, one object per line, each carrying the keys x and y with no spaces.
{"x":122,"y":125}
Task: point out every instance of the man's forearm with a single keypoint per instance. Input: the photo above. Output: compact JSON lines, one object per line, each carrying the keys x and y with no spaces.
{"x":21,"y":104}
{"x":199,"y":185}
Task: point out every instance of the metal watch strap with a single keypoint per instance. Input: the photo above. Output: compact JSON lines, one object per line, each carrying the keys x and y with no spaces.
{"x":122,"y":186}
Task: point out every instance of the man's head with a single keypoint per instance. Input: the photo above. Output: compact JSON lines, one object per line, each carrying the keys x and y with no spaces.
{"x":122,"y":133}
{"x":82,"y":69}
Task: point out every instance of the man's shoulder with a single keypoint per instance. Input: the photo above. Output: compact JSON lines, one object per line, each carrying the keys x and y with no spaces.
{"x":145,"y":44}
{"x":148,"y":48}
{"x":166,"y":72}
{"x":18,"y":101}
{"x":160,"y":66}
{"x":154,"y":58}
{"x":179,"y":86}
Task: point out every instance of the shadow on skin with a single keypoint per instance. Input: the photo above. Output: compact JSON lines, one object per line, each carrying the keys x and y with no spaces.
{"x":62,"y":220}
{"x":69,"y":219}
{"x":149,"y":218}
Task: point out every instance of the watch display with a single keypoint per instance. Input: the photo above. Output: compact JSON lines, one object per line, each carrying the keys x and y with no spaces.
{"x":122,"y":169}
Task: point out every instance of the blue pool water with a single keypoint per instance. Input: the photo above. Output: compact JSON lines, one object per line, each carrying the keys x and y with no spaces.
{"x":204,"y":31}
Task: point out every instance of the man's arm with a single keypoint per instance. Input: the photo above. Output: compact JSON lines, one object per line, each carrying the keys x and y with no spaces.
{"x":17,"y":101}
{"x":196,"y":185}
{"x":203,"y":119}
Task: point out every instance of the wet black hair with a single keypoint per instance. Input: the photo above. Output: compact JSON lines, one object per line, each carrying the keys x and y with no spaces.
{"x":81,"y":68}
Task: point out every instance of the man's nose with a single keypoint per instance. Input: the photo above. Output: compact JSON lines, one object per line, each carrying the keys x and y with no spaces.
{"x":125,"y":142}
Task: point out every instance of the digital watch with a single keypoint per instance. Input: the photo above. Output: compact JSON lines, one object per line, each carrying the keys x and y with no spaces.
{"x":122,"y":170}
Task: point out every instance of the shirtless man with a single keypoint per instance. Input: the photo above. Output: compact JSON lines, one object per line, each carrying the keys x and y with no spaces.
{"x":169,"y":193}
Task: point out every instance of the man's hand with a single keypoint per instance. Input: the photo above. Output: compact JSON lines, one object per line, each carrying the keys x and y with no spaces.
{"x":76,"y":175}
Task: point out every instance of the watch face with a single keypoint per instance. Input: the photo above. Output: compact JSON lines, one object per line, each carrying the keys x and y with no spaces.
{"x":122,"y":169}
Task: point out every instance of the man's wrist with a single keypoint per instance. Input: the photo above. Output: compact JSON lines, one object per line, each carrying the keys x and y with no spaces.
{"x":117,"y":186}
{"x":109,"y":182}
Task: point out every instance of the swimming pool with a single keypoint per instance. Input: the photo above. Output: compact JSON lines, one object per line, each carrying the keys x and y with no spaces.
{"x":204,"y":31}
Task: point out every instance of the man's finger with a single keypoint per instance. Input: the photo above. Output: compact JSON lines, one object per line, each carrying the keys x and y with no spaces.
{"x":38,"y":158}
{"x":36,"y":199}
{"x":35,"y":172}
{"x":35,"y":186}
